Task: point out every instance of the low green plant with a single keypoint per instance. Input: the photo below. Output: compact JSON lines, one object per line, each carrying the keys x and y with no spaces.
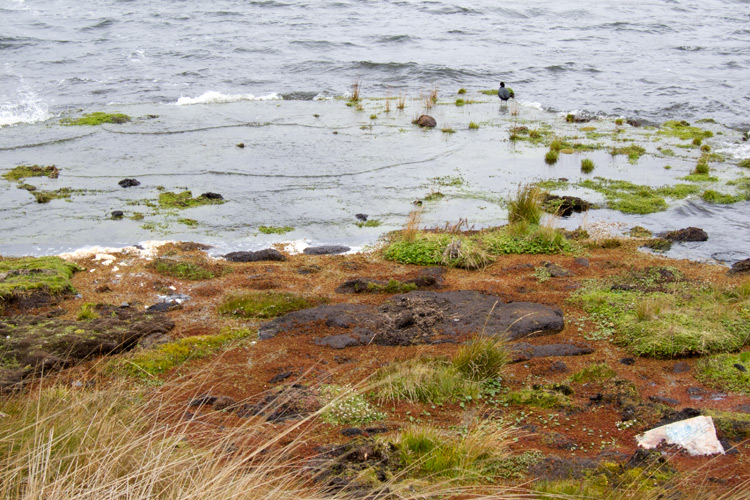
{"x":587,"y":166}
{"x":539,"y":398}
{"x":723,"y":372}
{"x":701,"y":168}
{"x":447,"y":130}
{"x":473,"y":126}
{"x":556,"y":145}
{"x":712,"y":196}
{"x":87,"y":312}
{"x":97,"y":118}
{"x":275,"y":229}
{"x":744,"y":163}
{"x":182,"y":269}
{"x":47,"y":196}
{"x":551,"y":157}
{"x":147,"y":364}
{"x":634,"y":152}
{"x":369,"y":223}
{"x":461,"y":91}
{"x":345,"y":406}
{"x":460,"y":102}
{"x":593,"y":373}
{"x":683,"y":130}
{"x":29,"y":274}
{"x":24,"y":171}
{"x":185,"y":199}
{"x":262,"y":304}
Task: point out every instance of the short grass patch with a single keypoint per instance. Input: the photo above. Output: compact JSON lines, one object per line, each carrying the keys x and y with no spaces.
{"x":275,"y":229}
{"x":262,"y":304}
{"x":185,"y":199}
{"x":683,"y":130}
{"x":186,"y":270}
{"x":25,"y":171}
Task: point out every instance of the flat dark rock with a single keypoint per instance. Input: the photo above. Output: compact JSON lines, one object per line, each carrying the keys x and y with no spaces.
{"x":686,"y":234}
{"x":523,"y":351}
{"x":420,"y":317}
{"x":126,"y":183}
{"x":117,"y":214}
{"x":565,"y":205}
{"x":260,"y":255}
{"x":326,"y":250}
{"x":212,"y":196}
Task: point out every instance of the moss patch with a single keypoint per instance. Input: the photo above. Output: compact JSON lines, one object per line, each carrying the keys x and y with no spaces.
{"x":24,"y":171}
{"x":713,"y":196}
{"x":262,"y":304}
{"x":28,"y":274}
{"x":275,"y":229}
{"x":682,"y":130}
{"x":149,"y":363}
{"x":656,"y":313}
{"x":97,"y":118}
{"x":185,"y":199}
{"x":724,"y":372}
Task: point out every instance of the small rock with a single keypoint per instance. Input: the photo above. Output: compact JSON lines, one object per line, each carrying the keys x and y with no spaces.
{"x":212,"y":196}
{"x":118,"y":214}
{"x":662,"y":399}
{"x":740,"y":367}
{"x":326,"y":250}
{"x":681,"y":367}
{"x":741,"y":267}
{"x":558,"y":367}
{"x":204,"y":399}
{"x":426,"y":121}
{"x":556,"y":271}
{"x":351,"y":432}
{"x":126,"y":183}
{"x":581,"y":261}
{"x":260,"y":255}
{"x":240,"y":145}
{"x":164,"y":306}
{"x":627,"y":361}
{"x":280,"y":377}
{"x":686,"y":234}
{"x":312,"y":269}
{"x":362,"y":217}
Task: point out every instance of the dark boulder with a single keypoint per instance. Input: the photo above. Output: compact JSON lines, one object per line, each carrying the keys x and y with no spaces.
{"x":564,"y":205}
{"x":126,"y":183}
{"x":260,"y":255}
{"x":426,"y":121}
{"x":326,"y":250}
{"x":687,"y":234}
{"x":212,"y":196}
{"x":741,"y":267}
{"x":361,"y":217}
{"x":118,"y":214}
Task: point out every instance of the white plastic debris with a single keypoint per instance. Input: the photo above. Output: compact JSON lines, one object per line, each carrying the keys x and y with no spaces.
{"x":696,"y":435}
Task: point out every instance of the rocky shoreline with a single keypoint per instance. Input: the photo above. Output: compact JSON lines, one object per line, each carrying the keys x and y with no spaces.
{"x":273,"y":335}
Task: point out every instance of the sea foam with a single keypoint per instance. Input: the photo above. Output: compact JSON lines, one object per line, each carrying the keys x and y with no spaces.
{"x":213,"y":97}
{"x":29,"y":109}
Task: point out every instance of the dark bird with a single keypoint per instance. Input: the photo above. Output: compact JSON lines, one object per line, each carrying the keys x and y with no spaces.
{"x":503,"y":93}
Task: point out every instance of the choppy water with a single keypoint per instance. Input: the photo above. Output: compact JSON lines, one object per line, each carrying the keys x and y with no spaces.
{"x":216,"y":73}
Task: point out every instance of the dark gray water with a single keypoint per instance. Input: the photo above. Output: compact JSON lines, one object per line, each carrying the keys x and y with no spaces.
{"x":651,"y":60}
{"x":200,"y":77}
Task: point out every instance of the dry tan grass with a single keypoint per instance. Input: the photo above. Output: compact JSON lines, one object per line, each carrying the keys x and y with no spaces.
{"x":401,"y":101}
{"x":409,"y":232}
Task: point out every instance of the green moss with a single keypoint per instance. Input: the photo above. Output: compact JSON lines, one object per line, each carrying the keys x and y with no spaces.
{"x":369,"y":223}
{"x":626,"y":196}
{"x":634,"y":152}
{"x":473,"y":125}
{"x":262,"y":304}
{"x":596,"y":372}
{"x":700,"y":178}
{"x":24,"y":171}
{"x":551,"y":157}
{"x":87,"y":312}
{"x":552,"y":184}
{"x":185,"y":199}
{"x":448,"y":180}
{"x":461,"y":91}
{"x":447,"y":131}
{"x":50,"y":274}
{"x":640,"y":232}
{"x":731,"y":425}
{"x":587,"y":166}
{"x":434,"y":196}
{"x":658,"y":244}
{"x":712,"y":196}
{"x":722,"y":373}
{"x":275,"y":229}
{"x":488,"y":92}
{"x":540,"y":398}
{"x":188,"y":222}
{"x":655,"y":313}
{"x":460,"y":102}
{"x":97,"y":118}
{"x":678,"y":191}
{"x":149,"y":363}
{"x":47,"y":196}
{"x":682,"y":130}
{"x":744,"y":163}
{"x":424,"y":250}
{"x":182,"y":269}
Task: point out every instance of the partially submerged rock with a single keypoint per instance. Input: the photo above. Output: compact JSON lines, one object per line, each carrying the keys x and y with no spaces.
{"x":419,"y":317}
{"x":260,"y":255}
{"x":426,"y":121}
{"x":740,"y":267}
{"x":564,"y":205}
{"x":33,"y":344}
{"x":326,"y":250}
{"x":126,"y":183}
{"x":686,"y":234}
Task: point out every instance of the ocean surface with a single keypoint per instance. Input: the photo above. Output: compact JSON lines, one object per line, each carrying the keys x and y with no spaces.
{"x":200,"y":77}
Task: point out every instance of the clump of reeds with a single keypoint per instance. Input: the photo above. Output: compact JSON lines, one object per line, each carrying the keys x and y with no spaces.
{"x":526,"y":205}
{"x":434,"y":94}
{"x":401,"y":104}
{"x":387,"y":105}
{"x":587,"y":166}
{"x":356,"y":88}
{"x":409,"y":232}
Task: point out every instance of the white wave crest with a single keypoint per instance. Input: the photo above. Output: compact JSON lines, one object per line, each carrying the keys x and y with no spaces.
{"x":738,"y":151}
{"x":213,"y":97}
{"x":30,"y":109}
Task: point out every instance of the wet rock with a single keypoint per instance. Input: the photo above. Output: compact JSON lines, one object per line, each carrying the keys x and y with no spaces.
{"x":117,"y":214}
{"x":627,"y":361}
{"x":740,"y":367}
{"x":126,"y":183}
{"x":556,"y":271}
{"x":422,"y":317}
{"x":426,"y":121}
{"x":312,"y":269}
{"x":686,"y":234}
{"x":37,"y":344}
{"x":260,"y":255}
{"x":664,"y":400}
{"x":280,"y":377}
{"x":740,"y":267}
{"x":581,"y":261}
{"x":681,"y":367}
{"x":361,"y":217}
{"x":558,"y":367}
{"x":523,"y":351}
{"x":431,"y":277}
{"x":564,"y":206}
{"x":326,"y":250}
{"x":360,"y":285}
{"x":212,"y":196}
{"x":191,"y":246}
{"x":168,"y":305}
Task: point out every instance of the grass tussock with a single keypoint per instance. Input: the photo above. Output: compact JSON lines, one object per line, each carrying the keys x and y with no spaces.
{"x":262,"y":304}
{"x":526,"y":205}
{"x":409,"y":232}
